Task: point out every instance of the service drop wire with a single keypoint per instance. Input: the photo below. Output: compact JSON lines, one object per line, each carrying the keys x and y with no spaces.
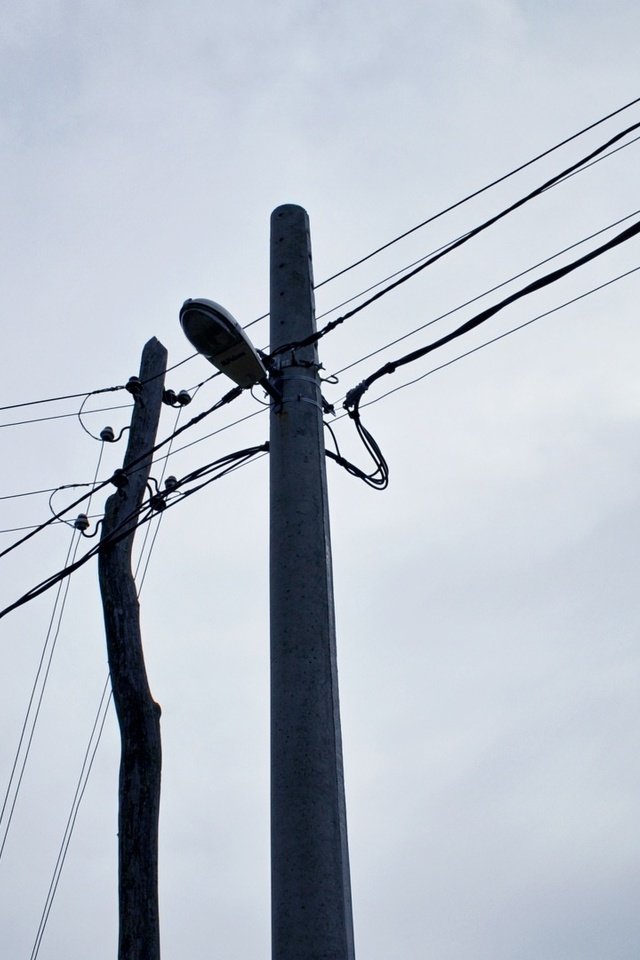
{"x":227,"y":398}
{"x":538,"y":191}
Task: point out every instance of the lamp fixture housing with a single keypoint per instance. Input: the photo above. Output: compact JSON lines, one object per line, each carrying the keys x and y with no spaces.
{"x":219,"y":337}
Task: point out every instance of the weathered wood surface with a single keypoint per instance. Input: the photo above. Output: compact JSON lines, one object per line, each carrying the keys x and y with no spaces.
{"x":138,"y":713}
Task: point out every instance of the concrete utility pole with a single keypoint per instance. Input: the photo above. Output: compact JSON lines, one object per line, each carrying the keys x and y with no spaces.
{"x":311,"y":890}
{"x":138,"y":713}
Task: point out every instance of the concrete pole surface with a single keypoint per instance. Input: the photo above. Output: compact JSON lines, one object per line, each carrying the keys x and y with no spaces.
{"x":311,"y":890}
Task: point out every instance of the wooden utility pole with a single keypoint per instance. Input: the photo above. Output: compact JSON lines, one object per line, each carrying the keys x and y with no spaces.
{"x":311,"y":891}
{"x":138,"y":714}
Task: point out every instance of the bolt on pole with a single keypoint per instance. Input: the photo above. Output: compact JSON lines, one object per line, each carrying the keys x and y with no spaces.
{"x":311,"y":890}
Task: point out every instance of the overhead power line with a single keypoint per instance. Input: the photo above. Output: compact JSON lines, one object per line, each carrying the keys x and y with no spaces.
{"x":496,"y":339}
{"x":353,"y":397}
{"x":155,"y":503}
{"x":415,"y":263}
{"x":457,"y":243}
{"x":485,"y":293}
{"x":87,"y":393}
{"x":478,"y":192}
{"x":454,"y":206}
{"x":227,"y":398}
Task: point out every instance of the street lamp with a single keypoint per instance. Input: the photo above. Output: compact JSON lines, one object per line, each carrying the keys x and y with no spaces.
{"x":219,"y":337}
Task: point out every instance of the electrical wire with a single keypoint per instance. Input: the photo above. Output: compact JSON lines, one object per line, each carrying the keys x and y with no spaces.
{"x":353,"y":397}
{"x":91,"y":393}
{"x":415,"y":263}
{"x":98,"y":725}
{"x":501,"y":336}
{"x":477,"y":193}
{"x":48,"y":650}
{"x":94,"y":739}
{"x":87,"y":765}
{"x":538,"y":191}
{"x":64,"y":416}
{"x":127,"y":526}
{"x":485,"y":293}
{"x":227,"y":398}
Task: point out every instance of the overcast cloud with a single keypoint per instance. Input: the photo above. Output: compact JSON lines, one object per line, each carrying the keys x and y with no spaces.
{"x":487,"y":602}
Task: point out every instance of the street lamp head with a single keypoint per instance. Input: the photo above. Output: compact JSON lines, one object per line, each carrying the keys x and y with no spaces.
{"x":217,"y":336}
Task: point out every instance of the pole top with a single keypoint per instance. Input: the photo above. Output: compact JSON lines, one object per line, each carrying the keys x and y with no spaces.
{"x":289,"y":210}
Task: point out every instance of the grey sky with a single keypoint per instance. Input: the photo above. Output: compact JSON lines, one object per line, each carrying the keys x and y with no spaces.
{"x":486,"y":602}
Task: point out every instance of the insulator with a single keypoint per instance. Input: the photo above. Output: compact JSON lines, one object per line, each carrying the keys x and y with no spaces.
{"x":134,"y":386}
{"x":183,"y":398}
{"x":119,"y":478}
{"x":81,"y":522}
{"x":169,"y":397}
{"x":107,"y":435}
{"x":157,"y":502}
{"x":170,"y":484}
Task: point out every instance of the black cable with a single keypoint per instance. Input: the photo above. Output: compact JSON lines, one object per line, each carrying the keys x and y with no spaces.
{"x":477,"y":193}
{"x":213,"y":433}
{"x":64,"y":416}
{"x":501,"y":336}
{"x":485,"y":293}
{"x":415,"y":263}
{"x":454,"y":206}
{"x":91,"y":393}
{"x":313,"y":338}
{"x":227,"y":398}
{"x":353,"y":397}
{"x":114,"y":439}
{"x":125,"y":527}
